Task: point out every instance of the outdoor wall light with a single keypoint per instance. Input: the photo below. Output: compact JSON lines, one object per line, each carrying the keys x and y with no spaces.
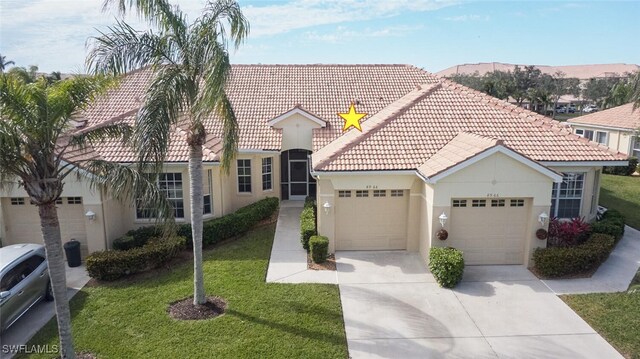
{"x":327,"y":207}
{"x":542,"y":218}
{"x":443,"y":219}
{"x":91,"y":216}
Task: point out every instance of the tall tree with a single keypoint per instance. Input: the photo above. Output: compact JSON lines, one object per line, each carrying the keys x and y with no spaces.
{"x":34,"y":138}
{"x":4,"y":63}
{"x":190,"y":67}
{"x":523,"y":82}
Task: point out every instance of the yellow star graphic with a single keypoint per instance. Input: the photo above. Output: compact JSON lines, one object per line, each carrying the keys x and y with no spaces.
{"x":352,"y":118}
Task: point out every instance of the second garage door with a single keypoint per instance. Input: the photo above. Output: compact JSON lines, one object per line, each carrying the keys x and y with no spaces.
{"x":489,"y":231}
{"x":371,"y":219}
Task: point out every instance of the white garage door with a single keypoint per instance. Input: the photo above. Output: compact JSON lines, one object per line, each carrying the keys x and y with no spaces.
{"x":371,"y":219}
{"x":22,"y":223}
{"x":489,"y":231}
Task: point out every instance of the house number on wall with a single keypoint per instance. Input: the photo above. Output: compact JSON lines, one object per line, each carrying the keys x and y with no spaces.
{"x":493,"y":195}
{"x":369,"y":186}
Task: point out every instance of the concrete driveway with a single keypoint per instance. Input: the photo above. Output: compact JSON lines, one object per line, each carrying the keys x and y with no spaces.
{"x":394,"y":309}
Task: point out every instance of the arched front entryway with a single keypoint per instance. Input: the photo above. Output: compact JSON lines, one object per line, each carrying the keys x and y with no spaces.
{"x":296,"y":181}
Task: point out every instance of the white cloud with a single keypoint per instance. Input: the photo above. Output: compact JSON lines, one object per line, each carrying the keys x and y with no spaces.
{"x":344,"y":34}
{"x":299,"y":14}
{"x":464,"y":18}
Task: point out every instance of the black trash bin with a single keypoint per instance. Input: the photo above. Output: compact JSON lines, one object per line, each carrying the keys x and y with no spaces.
{"x":72,"y":250}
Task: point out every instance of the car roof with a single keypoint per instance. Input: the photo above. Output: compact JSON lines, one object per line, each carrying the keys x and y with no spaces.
{"x":10,"y":254}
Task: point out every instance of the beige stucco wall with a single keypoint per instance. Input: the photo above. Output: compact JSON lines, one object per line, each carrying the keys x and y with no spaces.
{"x":618,"y":140}
{"x":297,"y":132}
{"x":328,"y":184}
{"x":231,"y":198}
{"x":497,"y":176}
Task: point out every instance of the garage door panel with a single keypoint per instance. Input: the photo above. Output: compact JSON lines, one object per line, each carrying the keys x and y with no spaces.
{"x":489,"y":235}
{"x":371,"y":223}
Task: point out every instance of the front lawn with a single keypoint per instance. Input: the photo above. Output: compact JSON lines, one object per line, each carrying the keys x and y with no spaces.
{"x":616,"y":316}
{"x":623,"y":194}
{"x":128,"y":319}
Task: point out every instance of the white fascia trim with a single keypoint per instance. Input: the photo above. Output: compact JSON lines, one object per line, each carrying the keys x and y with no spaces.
{"x":300,"y":112}
{"x":360,"y":173}
{"x":258,"y":151}
{"x":614,"y":128}
{"x":525,"y":161}
{"x":584,"y":163}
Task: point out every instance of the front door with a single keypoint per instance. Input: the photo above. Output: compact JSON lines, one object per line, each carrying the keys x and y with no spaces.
{"x":298,"y":179}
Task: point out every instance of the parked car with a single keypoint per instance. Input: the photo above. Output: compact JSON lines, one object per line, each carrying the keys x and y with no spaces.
{"x":561,"y":109}
{"x":571,"y":108}
{"x":590,"y":108}
{"x":24,"y":281}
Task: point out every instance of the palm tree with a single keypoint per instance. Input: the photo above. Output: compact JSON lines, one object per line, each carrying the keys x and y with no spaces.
{"x":635,"y":90}
{"x":4,"y":64}
{"x":190,"y":67}
{"x":34,"y":138}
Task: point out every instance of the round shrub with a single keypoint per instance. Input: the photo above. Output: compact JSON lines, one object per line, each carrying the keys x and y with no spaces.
{"x":447,"y":265}
{"x":319,"y":246}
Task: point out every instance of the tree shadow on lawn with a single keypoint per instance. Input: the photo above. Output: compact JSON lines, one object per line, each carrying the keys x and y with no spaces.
{"x":297,"y":331}
{"x":609,"y":199}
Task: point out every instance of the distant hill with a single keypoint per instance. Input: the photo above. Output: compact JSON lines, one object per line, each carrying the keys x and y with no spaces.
{"x":582,"y":72}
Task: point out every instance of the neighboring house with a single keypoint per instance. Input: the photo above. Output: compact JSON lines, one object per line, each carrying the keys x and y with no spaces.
{"x":581,"y":72}
{"x":617,"y":128}
{"x":428,"y":147}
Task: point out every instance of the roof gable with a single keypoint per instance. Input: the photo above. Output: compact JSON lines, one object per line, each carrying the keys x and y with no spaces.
{"x":297,"y":110}
{"x":465,"y":150}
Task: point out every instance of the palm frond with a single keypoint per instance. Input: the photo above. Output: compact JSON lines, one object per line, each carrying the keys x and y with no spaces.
{"x":165,"y":101}
{"x":229,"y":131}
{"x":226,"y":12}
{"x":124,"y":48}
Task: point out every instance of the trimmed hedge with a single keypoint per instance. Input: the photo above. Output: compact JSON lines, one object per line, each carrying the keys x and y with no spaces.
{"x":611,"y":223}
{"x":447,"y":265}
{"x":319,"y":246}
{"x":622,"y":170}
{"x":112,"y":265}
{"x":307,"y":222}
{"x":126,"y":242}
{"x":562,"y":261}
{"x":217,"y":229}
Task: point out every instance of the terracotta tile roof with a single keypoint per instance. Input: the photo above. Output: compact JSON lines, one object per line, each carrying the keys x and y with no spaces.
{"x":583,"y":72}
{"x":407,"y":126}
{"x":406,"y":141}
{"x":260,"y":93}
{"x":618,"y":117}
{"x":462,"y":147}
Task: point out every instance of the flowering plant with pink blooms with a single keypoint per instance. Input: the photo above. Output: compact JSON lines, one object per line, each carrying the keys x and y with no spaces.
{"x":568,"y":233}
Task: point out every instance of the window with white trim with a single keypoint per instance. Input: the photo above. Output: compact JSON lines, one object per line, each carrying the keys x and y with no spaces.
{"x":379,"y":193}
{"x":266,"y":173}
{"x":566,"y":197}
{"x":516,"y":203}
{"x":397,"y":193}
{"x":361,"y":193}
{"x":478,"y":203}
{"x":244,"y":176}
{"x":74,"y":200}
{"x":588,"y":134}
{"x":497,"y":203}
{"x":635,"y":146}
{"x":579,"y":132}
{"x":17,"y":201}
{"x":602,"y":137}
{"x":344,"y":194}
{"x":459,"y":203}
{"x":207,"y":205}
{"x":170,"y":184}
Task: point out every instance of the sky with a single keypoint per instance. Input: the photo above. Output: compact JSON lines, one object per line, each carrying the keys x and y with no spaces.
{"x":431,"y":34}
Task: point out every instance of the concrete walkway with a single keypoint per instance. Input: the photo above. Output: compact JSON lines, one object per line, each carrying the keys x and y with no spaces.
{"x":288,"y":262}
{"x":33,"y":320}
{"x":393,"y":308}
{"x":614,"y":275}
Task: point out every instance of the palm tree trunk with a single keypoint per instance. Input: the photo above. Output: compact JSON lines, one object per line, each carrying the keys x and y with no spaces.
{"x":57,"y":272}
{"x":195,"y":176}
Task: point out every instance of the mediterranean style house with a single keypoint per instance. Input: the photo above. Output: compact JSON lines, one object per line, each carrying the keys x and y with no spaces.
{"x":431,"y":155}
{"x":617,"y":128}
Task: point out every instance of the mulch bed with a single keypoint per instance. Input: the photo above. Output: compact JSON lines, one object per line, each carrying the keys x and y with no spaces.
{"x":185,"y":310}
{"x":329,"y":264}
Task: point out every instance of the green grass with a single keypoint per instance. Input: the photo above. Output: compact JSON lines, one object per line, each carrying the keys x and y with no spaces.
{"x":614,"y":315}
{"x":129,"y":319}
{"x":623,"y":194}
{"x":567,"y":116}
